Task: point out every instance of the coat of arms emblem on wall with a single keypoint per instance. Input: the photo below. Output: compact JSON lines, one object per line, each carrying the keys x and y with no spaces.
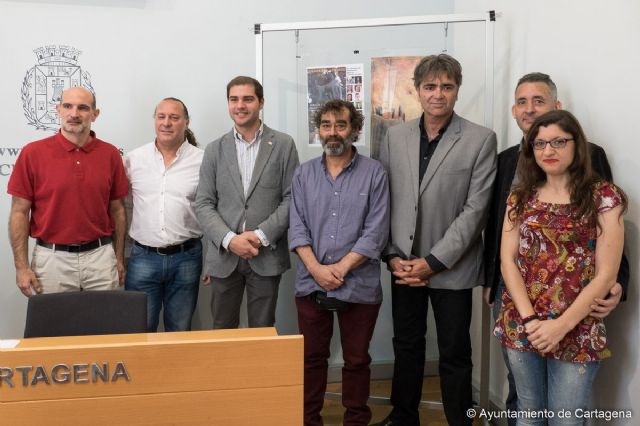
{"x":57,"y":69}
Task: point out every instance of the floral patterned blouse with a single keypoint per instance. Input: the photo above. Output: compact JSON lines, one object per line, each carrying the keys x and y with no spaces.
{"x":557,"y":259}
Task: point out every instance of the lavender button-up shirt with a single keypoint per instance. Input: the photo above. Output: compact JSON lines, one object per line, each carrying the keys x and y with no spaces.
{"x":336,"y":217}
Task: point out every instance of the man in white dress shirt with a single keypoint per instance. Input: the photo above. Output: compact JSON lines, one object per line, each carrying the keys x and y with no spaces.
{"x":166,"y":254}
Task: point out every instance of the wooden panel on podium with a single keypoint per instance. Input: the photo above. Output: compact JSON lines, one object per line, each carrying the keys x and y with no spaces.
{"x":216,"y":377}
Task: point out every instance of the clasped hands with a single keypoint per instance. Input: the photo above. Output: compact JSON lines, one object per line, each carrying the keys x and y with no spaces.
{"x":545,"y":335}
{"x":245,"y":245}
{"x":329,"y":277}
{"x":413,"y":272}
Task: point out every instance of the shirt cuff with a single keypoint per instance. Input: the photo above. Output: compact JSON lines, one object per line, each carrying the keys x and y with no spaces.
{"x":227,"y":239}
{"x":435,"y":265}
{"x":387,"y":257}
{"x":262,"y":237}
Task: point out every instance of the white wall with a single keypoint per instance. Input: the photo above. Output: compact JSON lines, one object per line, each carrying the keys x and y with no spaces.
{"x":590,"y":50}
{"x":140,"y":51}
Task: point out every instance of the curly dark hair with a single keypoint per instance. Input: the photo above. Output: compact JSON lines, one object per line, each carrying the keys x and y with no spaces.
{"x":582,"y":179}
{"x":335,"y":105}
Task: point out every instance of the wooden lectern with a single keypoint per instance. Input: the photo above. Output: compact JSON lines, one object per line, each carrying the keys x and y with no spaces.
{"x":216,"y":377}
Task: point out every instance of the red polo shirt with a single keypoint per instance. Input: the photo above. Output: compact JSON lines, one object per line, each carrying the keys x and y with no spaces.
{"x":69,"y":187}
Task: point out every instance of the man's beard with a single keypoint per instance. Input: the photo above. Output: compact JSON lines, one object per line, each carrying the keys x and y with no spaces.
{"x":332,"y":149}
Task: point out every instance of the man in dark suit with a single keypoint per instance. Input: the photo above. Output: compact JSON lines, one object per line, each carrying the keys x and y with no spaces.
{"x":441,"y":169}
{"x":535,"y":94}
{"x":242,"y":204}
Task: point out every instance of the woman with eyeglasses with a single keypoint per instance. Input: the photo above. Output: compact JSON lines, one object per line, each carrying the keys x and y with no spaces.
{"x":561,"y":247}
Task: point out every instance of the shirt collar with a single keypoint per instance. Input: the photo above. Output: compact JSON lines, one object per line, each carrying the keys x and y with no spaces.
{"x":183,"y":147}
{"x":69,"y":146}
{"x":442,"y":129}
{"x":349,"y":166}
{"x":239,"y":137}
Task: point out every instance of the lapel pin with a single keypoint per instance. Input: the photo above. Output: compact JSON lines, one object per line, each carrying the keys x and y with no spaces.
{"x":270,"y":143}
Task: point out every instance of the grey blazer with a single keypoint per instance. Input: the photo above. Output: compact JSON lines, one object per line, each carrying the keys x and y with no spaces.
{"x":446,"y":214}
{"x":221,"y":205}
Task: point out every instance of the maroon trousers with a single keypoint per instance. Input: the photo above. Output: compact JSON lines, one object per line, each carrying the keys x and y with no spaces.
{"x":356,"y":328}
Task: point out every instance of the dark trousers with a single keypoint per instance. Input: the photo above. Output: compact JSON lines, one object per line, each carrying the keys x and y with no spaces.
{"x":452,"y":312}
{"x":356,"y":328}
{"x":227,"y":293}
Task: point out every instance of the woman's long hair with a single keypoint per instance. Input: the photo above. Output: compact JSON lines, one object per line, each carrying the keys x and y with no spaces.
{"x":582,"y":179}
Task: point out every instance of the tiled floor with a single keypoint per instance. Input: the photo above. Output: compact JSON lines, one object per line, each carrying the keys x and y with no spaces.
{"x":333,"y":410}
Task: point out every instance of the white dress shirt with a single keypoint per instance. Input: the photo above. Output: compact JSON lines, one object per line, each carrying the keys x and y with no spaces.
{"x":247,"y":152}
{"x":163,"y":199}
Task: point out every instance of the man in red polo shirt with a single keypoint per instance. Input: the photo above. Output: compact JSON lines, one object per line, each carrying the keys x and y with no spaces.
{"x":67,"y":193}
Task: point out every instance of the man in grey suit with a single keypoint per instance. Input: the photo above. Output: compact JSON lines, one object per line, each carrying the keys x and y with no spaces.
{"x":242,"y":203}
{"x":441,"y":169}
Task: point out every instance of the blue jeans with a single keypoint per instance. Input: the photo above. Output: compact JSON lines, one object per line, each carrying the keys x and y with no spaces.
{"x":511,"y":403}
{"x":172,"y":281}
{"x":560,"y":387}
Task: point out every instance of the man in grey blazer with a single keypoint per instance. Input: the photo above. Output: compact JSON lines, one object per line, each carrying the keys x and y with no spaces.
{"x":441,"y":169}
{"x":242,"y":203}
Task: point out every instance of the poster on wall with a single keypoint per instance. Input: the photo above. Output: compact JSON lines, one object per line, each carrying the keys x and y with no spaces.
{"x":333,"y":82}
{"x":394,"y":98}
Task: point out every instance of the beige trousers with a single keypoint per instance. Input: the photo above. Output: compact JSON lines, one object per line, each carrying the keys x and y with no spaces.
{"x":60,"y":271}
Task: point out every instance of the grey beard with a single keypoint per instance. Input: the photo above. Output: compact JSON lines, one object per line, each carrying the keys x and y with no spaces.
{"x":334,"y":151}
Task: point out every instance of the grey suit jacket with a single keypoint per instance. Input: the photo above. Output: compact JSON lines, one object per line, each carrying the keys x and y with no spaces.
{"x":222,"y":207}
{"x":446,"y":214}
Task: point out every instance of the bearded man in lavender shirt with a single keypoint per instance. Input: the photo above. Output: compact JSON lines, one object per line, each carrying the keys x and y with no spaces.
{"x":339,"y":223}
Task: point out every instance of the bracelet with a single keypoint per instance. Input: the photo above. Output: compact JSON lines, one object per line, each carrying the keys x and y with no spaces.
{"x":530,"y":318}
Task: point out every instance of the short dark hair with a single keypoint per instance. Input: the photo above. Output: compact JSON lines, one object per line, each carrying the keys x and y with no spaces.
{"x":336,"y":105}
{"x":242,"y":80}
{"x":435,"y":65}
{"x":539,"y":77}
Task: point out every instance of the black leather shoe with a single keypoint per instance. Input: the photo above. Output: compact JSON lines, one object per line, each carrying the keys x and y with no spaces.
{"x":386,"y":422}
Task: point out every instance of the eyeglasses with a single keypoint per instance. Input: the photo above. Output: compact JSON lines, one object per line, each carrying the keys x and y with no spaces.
{"x":541,"y":144}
